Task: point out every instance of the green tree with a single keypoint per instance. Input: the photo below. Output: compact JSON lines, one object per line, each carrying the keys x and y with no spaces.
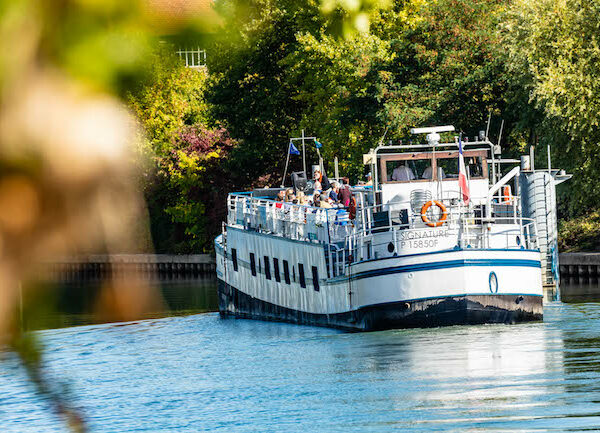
{"x":171,"y":98}
{"x":261,"y":95}
{"x":554,"y":48}
{"x":342,"y":86}
{"x":185,"y":188}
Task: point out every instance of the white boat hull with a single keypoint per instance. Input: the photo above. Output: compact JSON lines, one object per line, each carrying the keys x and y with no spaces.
{"x":456,"y":286}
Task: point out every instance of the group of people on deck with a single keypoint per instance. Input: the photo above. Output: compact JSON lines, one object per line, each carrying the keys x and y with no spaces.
{"x":327,"y":194}
{"x":330,"y":194}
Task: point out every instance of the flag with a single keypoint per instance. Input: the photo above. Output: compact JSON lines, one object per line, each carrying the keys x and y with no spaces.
{"x":319,"y":145}
{"x":293,"y":149}
{"x":462,"y":174}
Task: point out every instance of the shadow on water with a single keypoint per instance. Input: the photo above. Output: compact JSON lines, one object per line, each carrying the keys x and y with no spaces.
{"x":74,"y":303}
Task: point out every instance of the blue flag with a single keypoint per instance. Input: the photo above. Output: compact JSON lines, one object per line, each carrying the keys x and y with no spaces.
{"x":319,"y":145}
{"x":293,"y":149}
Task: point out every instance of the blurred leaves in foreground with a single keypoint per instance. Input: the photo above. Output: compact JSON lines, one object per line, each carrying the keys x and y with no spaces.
{"x":68,"y":183}
{"x":70,"y":150}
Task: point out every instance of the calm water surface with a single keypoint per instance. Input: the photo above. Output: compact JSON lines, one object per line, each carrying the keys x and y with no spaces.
{"x":203,"y":373}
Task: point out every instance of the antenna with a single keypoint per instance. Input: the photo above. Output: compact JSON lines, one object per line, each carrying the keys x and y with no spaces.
{"x":500,"y":136}
{"x":497,"y":147}
{"x":383,"y":136}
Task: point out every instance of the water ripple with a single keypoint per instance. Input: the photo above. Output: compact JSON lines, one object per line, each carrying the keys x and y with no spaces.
{"x":202,"y":373}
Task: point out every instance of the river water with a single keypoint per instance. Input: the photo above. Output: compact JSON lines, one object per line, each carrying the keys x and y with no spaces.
{"x":203,"y":373}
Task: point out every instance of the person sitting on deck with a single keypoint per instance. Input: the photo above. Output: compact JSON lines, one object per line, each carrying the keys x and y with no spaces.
{"x":333,"y":195}
{"x":322,"y":180}
{"x":317,"y":178}
{"x":316,"y":200}
{"x":280,"y":196}
{"x":289,"y":195}
{"x":325,"y":202}
{"x":344,"y":194}
{"x":402,"y":173}
{"x":302,"y":198}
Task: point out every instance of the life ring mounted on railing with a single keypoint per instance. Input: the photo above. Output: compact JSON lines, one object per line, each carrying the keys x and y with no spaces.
{"x":443,"y":217}
{"x":506,"y":194}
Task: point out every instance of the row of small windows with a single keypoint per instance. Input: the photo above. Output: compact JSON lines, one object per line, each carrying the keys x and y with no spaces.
{"x":276,"y":274}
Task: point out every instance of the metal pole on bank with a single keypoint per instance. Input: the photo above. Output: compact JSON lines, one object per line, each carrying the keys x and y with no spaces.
{"x":304,"y":155}
{"x":287,"y":160}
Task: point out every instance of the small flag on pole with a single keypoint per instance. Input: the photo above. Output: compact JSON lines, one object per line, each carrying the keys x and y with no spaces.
{"x":293,"y":149}
{"x":462,"y":174}
{"x":319,"y":145}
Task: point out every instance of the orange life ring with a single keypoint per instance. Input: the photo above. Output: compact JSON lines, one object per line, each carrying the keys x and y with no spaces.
{"x":426,"y":207}
{"x":506,"y":194}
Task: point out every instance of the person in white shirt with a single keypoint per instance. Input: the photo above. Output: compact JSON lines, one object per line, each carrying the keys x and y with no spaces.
{"x":427,"y":173}
{"x":402,"y":173}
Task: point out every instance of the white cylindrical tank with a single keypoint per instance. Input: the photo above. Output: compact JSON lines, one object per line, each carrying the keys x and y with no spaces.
{"x":538,"y":196}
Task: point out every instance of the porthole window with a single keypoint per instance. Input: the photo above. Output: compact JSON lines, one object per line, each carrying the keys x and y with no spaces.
{"x":493,"y":280}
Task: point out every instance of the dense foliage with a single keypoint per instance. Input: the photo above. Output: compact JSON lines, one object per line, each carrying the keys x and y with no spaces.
{"x":354,"y":74}
{"x":185,"y":184}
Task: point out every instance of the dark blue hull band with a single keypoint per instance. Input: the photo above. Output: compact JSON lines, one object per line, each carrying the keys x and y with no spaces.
{"x":445,"y":265}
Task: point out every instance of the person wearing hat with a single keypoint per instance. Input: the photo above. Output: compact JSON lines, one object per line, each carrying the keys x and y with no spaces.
{"x":369,"y":181}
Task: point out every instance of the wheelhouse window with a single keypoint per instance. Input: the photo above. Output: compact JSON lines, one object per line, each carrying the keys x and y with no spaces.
{"x":253,"y":264}
{"x":276,"y":269}
{"x":234,"y":259}
{"x":427,"y":166}
{"x":447,"y":167}
{"x":301,"y":275}
{"x":267,"y":268}
{"x":475,"y":166}
{"x":408,"y":167}
{"x":315,"y":278}
{"x":286,"y":272}
{"x":447,"y":164}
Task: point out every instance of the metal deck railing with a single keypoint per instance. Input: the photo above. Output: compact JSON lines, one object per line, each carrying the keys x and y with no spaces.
{"x":346,"y":242}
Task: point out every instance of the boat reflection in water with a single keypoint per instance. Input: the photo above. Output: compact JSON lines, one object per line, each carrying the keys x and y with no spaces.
{"x":465,"y":377}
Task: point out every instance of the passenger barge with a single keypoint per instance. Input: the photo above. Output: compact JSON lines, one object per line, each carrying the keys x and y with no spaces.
{"x":422,"y":251}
